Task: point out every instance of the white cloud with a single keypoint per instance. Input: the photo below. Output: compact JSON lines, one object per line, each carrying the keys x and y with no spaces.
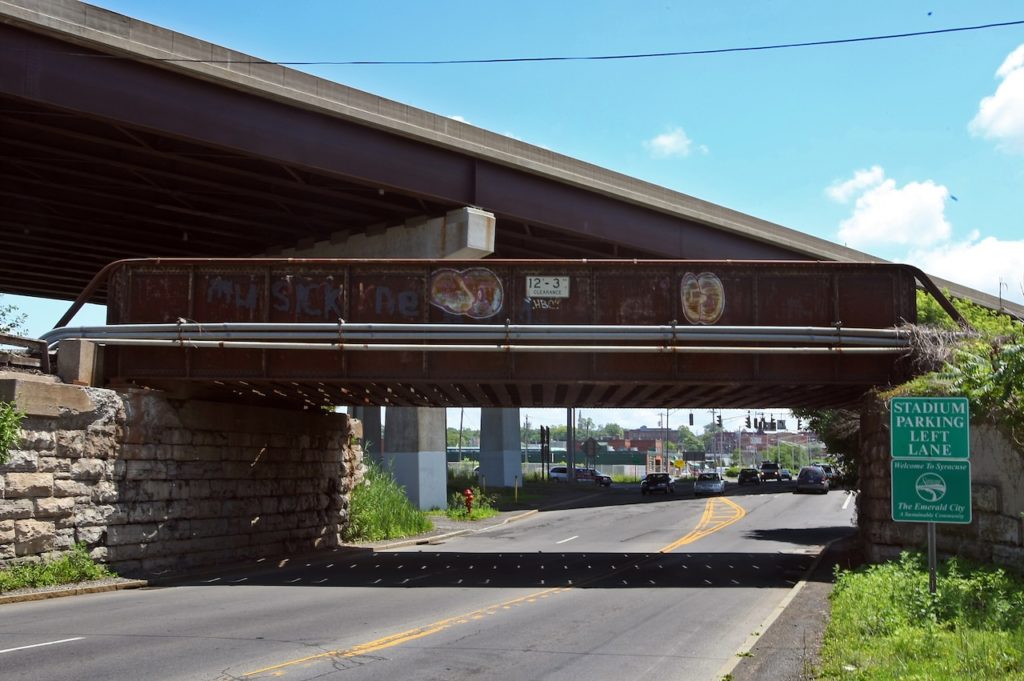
{"x":979,"y":264}
{"x":672,"y":144}
{"x":862,"y":179}
{"x":458,"y":118}
{"x":883,"y":213}
{"x":1000,"y":116}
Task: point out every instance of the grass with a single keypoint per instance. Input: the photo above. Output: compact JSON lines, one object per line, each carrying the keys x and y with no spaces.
{"x":380,"y":510}
{"x":485,"y":504}
{"x":74,"y":566}
{"x":886,"y":625}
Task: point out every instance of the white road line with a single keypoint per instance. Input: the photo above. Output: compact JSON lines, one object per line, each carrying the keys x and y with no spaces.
{"x":37,"y":645}
{"x":849,"y":498}
{"x":575,"y":536}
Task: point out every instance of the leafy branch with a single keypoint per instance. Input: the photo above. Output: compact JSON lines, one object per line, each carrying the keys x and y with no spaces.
{"x":10,"y":429}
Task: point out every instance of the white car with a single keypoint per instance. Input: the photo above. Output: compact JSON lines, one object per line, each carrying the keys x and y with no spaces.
{"x":558,"y":474}
{"x":709,"y":483}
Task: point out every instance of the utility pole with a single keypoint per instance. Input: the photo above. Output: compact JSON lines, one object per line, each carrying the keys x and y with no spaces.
{"x":526,"y":445}
{"x":462,"y":415}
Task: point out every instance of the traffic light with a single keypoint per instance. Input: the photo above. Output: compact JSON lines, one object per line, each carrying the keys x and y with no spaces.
{"x":748,"y":419}
{"x":719,"y":420}
{"x":799,"y":424}
{"x":691,"y":418}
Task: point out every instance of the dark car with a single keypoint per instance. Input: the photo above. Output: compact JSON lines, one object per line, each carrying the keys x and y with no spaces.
{"x":811,"y":479}
{"x":785,"y":474}
{"x":597,"y":476}
{"x":770,"y":471}
{"x":749,"y":475}
{"x":657,"y":482}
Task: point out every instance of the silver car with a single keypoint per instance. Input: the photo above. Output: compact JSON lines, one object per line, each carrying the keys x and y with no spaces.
{"x":709,"y":483}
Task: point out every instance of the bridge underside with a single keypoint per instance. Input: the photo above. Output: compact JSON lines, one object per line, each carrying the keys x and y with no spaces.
{"x":149,"y":162}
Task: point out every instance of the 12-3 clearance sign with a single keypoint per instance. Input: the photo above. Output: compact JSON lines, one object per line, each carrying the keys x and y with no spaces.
{"x":931,"y":471}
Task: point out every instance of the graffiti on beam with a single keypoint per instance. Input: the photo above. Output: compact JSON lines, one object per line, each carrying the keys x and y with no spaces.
{"x":703,"y":297}
{"x":475,"y":292}
{"x":296,"y":297}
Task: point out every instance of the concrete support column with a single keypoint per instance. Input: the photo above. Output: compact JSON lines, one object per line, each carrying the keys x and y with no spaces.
{"x":414,"y":449}
{"x":370,"y":418}
{"x":79,"y":362}
{"x":501,"y":453}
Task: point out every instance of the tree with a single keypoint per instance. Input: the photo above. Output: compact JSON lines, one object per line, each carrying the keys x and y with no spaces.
{"x":611,"y":431}
{"x":12,"y":320}
{"x":688,"y":441}
{"x":585,"y":428}
{"x":469,"y":437}
{"x":711,"y":431}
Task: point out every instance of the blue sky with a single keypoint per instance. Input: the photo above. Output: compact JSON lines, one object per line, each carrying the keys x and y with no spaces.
{"x":909,"y":149}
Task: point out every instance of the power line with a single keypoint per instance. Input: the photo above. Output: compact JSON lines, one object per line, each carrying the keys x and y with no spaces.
{"x":608,"y":57}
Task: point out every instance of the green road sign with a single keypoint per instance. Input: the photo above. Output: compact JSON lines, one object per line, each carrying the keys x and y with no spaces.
{"x":931,"y":491}
{"x":930,"y":427}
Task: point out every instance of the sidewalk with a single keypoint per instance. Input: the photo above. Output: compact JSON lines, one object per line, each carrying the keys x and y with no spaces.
{"x":789,"y":649}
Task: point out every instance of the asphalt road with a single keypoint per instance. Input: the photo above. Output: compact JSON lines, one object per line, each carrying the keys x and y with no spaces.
{"x":622,"y":587}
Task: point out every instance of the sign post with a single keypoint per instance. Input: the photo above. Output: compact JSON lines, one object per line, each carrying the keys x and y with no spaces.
{"x":930,"y":466}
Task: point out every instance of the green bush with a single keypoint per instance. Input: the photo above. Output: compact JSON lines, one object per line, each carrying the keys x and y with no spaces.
{"x":10,"y":429}
{"x":379,"y":509}
{"x":74,"y":566}
{"x":886,"y":624}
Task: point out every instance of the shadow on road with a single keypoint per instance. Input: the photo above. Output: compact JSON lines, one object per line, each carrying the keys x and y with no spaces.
{"x":431,"y":569}
{"x":813,"y":536}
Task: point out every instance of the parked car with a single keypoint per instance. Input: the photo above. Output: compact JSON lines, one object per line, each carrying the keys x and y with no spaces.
{"x":657,"y":482}
{"x":709,"y":483}
{"x":770,"y":471}
{"x":749,"y":475}
{"x":561,"y":474}
{"x":785,"y":474}
{"x":811,"y":479}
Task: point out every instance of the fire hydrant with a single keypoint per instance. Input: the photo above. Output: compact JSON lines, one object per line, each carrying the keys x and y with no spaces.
{"x":467,"y":496}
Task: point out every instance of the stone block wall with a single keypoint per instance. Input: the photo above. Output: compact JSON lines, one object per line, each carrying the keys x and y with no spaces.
{"x":996,"y":533}
{"x":153,"y":485}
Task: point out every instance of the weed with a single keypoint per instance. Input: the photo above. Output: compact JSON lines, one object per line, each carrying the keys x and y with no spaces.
{"x":886,"y":624}
{"x":379,"y":509}
{"x":74,"y":566}
{"x":10,"y":429}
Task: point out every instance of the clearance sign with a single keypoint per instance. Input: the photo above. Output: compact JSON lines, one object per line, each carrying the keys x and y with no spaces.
{"x":931,"y":470}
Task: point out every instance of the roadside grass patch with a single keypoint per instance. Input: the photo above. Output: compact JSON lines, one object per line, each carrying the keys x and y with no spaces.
{"x":380,"y":510}
{"x":497,"y":498}
{"x":885,"y":625}
{"x":483,"y":505}
{"x":74,"y":566}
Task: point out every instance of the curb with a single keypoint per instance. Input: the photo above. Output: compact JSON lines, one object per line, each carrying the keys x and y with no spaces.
{"x":726,"y":670}
{"x":421,"y":541}
{"x":73,"y":591}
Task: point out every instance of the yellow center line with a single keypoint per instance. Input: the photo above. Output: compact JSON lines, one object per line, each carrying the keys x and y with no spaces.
{"x":403,"y":636}
{"x":718,"y":513}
